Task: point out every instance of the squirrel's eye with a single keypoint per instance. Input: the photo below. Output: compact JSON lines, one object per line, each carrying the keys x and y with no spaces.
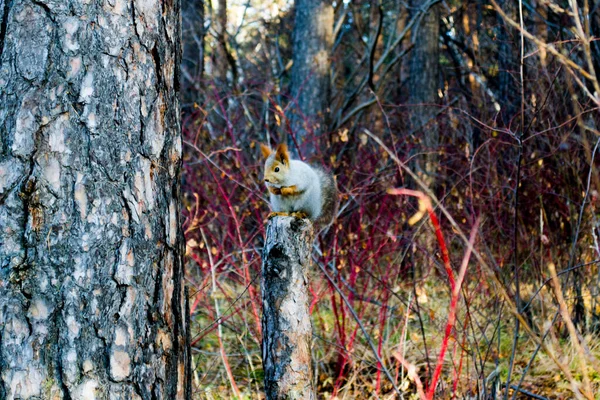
{"x":276,"y":169}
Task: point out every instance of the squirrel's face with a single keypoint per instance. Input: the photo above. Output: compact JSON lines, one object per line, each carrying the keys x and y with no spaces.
{"x":277,"y":165}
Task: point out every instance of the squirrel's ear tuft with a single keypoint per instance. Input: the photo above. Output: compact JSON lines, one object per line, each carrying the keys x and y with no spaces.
{"x":282,"y":154}
{"x":265,"y":150}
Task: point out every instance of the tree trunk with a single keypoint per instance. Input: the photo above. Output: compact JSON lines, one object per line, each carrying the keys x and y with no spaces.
{"x":424,"y":83}
{"x":508,"y":64}
{"x":286,"y":326}
{"x":192,"y":64}
{"x":310,"y":88}
{"x":224,"y":60}
{"x":91,"y":272}
{"x":595,"y":32}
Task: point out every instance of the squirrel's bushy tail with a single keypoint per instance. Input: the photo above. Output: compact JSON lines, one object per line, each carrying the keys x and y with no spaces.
{"x":329,"y":197}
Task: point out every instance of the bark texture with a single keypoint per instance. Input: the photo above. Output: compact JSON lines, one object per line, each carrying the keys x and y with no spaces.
{"x":424,"y":83}
{"x":91,"y":296}
{"x":311,"y":87}
{"x":286,"y":326}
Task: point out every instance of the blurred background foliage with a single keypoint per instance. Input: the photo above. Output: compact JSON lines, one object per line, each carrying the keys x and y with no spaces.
{"x":494,"y":107}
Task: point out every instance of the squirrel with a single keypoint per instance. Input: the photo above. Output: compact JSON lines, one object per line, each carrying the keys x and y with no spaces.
{"x":299,"y":189}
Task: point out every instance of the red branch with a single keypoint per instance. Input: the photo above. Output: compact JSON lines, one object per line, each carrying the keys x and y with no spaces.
{"x":425,"y":204}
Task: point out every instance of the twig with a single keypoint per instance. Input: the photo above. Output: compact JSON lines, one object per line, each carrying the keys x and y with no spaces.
{"x":566,"y":317}
{"x":412,"y":374}
{"x":455,"y":285}
{"x":234,"y":386}
{"x":362,"y":328}
{"x":526,"y":393}
{"x":584,"y":37}
{"x":563,"y":272}
{"x":491,"y":274}
{"x":537,"y":349}
{"x":374,"y":46}
{"x":552,"y":50}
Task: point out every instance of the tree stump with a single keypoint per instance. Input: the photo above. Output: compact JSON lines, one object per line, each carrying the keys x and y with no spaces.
{"x":287,"y":330}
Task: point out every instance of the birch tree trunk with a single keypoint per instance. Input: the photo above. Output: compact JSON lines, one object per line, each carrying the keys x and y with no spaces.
{"x":91,"y":291}
{"x":310,"y":88}
{"x":424,"y":84}
{"x":286,"y":326}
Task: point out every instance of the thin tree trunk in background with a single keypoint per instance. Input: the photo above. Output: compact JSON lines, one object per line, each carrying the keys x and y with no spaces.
{"x":224,"y":61}
{"x":286,"y":326}
{"x":192,"y":63}
{"x":595,"y":32}
{"x":508,"y":64}
{"x":91,"y":273}
{"x":403,"y":65}
{"x":424,"y":84}
{"x":310,"y":87}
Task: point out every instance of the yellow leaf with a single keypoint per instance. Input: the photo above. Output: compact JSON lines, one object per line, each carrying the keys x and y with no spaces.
{"x":344,"y":135}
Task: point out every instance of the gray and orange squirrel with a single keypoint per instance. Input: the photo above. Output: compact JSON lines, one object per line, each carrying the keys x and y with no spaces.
{"x":299,"y":189}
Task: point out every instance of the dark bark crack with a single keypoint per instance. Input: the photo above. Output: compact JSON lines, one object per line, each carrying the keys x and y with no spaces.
{"x":133,"y":21}
{"x":129,"y":214}
{"x":142,"y":124}
{"x":44,"y":6}
{"x":156,"y":296}
{"x":63,"y":385}
{"x":2,"y":366}
{"x":27,"y":188}
{"x":4,"y":26}
{"x":157,"y":65}
{"x":58,"y":359}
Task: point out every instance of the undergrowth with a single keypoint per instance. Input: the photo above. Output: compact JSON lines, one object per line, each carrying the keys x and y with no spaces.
{"x":525,"y":189}
{"x":391,"y":273}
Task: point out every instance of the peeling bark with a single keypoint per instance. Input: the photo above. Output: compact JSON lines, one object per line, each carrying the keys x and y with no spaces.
{"x":91,"y":292}
{"x":311,"y":86}
{"x":287,"y":330}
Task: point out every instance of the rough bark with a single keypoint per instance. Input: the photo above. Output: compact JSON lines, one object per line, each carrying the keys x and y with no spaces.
{"x":91,"y":295}
{"x":424,"y":83}
{"x":286,"y":326}
{"x":310,"y":87}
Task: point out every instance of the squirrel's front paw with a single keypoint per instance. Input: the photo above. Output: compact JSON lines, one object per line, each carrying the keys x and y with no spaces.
{"x":274,"y":190}
{"x":299,"y":214}
{"x":289,"y":191}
